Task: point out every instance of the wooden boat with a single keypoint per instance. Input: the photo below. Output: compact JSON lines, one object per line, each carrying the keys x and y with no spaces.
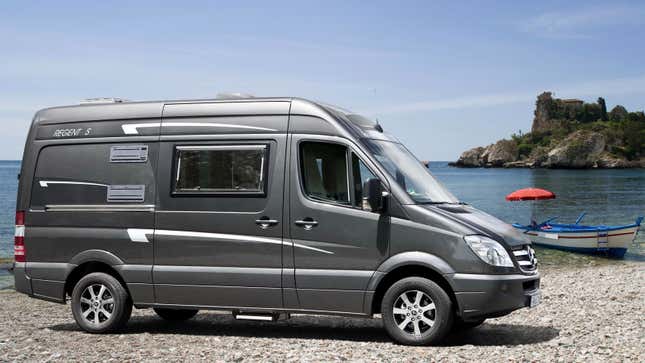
{"x":610,"y":240}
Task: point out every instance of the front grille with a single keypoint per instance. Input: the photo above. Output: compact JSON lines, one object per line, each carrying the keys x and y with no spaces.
{"x":525,"y":257}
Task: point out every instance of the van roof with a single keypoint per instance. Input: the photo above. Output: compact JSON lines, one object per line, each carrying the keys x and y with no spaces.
{"x":133,"y":110}
{"x":130,"y":109}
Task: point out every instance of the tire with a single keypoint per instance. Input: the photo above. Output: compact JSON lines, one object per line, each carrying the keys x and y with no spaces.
{"x":95,"y":313}
{"x":431,"y":322}
{"x":460,"y":325}
{"x":175,"y":314}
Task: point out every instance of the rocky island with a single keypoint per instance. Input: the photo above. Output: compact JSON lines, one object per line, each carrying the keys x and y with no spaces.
{"x":568,"y":133}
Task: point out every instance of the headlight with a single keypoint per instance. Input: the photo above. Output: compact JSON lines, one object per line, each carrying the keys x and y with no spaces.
{"x":489,"y":251}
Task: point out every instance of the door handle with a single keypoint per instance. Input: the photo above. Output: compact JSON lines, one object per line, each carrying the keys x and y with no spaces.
{"x":266,"y":222}
{"x":307,"y":223}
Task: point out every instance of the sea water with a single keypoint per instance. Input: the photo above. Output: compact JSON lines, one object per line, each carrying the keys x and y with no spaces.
{"x":608,"y":197}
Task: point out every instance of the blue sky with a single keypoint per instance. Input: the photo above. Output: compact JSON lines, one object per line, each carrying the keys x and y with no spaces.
{"x":441,"y":76}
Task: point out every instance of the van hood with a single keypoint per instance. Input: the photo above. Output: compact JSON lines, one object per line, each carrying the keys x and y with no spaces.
{"x":480,"y":223}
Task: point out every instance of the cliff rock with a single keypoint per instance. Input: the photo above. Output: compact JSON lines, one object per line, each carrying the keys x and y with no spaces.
{"x":500,"y":153}
{"x":493,"y":155}
{"x":471,"y":158}
{"x":581,"y":149}
{"x":608,"y":161}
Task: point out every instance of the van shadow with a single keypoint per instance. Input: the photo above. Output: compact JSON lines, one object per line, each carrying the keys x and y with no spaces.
{"x":322,"y":327}
{"x":502,"y":334}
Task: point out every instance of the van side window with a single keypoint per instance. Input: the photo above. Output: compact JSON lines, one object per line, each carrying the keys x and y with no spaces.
{"x":361,"y":174}
{"x":323,"y":167}
{"x":220,"y":169}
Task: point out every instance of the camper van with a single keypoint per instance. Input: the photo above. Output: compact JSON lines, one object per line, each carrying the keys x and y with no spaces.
{"x":263,"y":207}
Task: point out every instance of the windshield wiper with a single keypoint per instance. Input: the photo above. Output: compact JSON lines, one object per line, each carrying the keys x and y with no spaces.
{"x":439,"y":203}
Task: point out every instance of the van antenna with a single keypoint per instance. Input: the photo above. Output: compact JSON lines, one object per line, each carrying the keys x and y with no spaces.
{"x":378,"y":126}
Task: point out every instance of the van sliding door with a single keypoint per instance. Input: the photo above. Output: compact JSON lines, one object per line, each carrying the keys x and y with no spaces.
{"x":218,"y":233}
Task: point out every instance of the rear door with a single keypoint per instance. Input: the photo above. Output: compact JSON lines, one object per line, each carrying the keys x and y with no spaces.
{"x":90,"y":194}
{"x":218,"y":237}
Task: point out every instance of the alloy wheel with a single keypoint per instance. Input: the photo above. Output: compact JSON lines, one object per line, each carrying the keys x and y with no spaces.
{"x":414,"y":312}
{"x":97,"y":304}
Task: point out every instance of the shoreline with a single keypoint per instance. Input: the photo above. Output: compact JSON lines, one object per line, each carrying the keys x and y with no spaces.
{"x":520,"y":165}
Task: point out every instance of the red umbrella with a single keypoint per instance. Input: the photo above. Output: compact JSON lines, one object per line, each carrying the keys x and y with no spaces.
{"x":530,"y":194}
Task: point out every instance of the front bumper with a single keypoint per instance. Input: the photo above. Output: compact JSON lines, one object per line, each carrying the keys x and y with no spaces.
{"x":488,"y":296}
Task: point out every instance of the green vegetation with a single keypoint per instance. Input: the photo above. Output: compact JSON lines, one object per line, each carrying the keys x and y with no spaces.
{"x":624,"y":131}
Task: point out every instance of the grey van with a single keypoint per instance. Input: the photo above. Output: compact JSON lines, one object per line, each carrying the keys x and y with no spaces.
{"x":264,"y":207}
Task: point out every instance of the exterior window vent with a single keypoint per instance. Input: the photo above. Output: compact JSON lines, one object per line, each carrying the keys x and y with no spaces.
{"x":129,"y":154}
{"x":126,"y":193}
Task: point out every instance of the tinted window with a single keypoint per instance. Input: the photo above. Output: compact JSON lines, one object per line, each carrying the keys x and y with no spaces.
{"x":324,"y":171}
{"x":221,"y":169}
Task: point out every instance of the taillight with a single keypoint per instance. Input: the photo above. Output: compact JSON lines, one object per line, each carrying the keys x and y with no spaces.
{"x":19,"y":238}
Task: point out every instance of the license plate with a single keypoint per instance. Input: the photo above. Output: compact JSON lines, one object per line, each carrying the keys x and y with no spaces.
{"x":535,"y":300}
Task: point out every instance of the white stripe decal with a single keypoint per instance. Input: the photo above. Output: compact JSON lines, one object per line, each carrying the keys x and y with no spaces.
{"x":308,"y":247}
{"x":45,"y":183}
{"x":230,"y":237}
{"x":140,"y":235}
{"x":132,"y":129}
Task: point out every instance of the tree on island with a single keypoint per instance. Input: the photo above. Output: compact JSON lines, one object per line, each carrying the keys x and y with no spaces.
{"x":603,"y":109}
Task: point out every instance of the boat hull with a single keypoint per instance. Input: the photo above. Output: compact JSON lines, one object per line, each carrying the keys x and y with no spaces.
{"x":613,"y":243}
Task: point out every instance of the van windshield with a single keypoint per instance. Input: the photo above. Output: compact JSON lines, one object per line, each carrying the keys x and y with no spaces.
{"x":410,"y":173}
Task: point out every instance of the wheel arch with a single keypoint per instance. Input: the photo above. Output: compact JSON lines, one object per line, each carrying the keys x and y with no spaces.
{"x":103,"y":256}
{"x":91,"y":261}
{"x":404,"y":265}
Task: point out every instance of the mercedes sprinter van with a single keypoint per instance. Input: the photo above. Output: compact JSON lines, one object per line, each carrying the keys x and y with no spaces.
{"x":264,"y":207}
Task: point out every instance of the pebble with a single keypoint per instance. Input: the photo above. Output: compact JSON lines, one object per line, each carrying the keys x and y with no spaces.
{"x":588,"y":313}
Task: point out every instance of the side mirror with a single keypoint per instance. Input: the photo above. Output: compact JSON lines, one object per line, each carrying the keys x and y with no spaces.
{"x":375,"y":197}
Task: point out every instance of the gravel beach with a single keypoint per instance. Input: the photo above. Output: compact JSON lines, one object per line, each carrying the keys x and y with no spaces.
{"x":587,"y":314}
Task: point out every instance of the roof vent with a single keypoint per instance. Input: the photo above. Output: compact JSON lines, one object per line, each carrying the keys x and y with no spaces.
{"x":103,"y":100}
{"x":232,"y":96}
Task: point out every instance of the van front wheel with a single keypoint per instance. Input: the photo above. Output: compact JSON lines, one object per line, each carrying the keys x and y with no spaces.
{"x":100,"y":304}
{"x":175,"y":314}
{"x":416,"y":311}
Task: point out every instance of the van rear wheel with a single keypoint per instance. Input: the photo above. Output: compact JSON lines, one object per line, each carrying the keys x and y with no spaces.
{"x":175,"y":314}
{"x":100,"y":304}
{"x":416,"y":311}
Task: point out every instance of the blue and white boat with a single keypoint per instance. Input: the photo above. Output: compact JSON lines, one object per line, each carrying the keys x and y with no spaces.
{"x":610,"y":240}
